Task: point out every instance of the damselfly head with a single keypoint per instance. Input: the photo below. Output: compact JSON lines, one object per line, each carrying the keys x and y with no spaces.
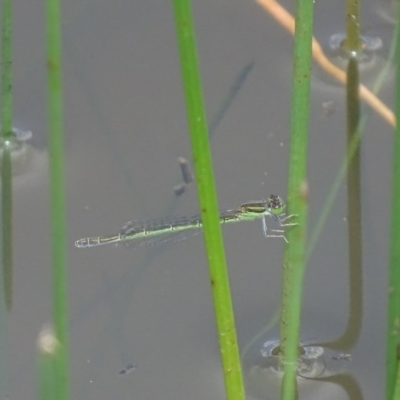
{"x":275,"y":204}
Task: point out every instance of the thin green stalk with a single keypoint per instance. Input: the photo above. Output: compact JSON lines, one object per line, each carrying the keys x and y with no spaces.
{"x":57,"y":196}
{"x":353,"y":42}
{"x":393,"y":321}
{"x":293,"y":271}
{"x":6,"y":190}
{"x":6,"y":142}
{"x":208,"y":200}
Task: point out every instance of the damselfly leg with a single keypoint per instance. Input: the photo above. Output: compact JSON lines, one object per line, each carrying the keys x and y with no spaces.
{"x":281,"y":220}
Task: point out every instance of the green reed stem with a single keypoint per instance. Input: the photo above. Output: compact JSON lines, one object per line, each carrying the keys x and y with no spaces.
{"x":208,"y":200}
{"x":57,"y":195}
{"x":6,"y":166}
{"x":393,"y":321}
{"x":294,"y":265}
{"x":6,"y":271}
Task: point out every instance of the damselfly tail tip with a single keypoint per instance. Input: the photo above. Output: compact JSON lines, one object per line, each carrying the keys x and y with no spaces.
{"x":81,"y":243}
{"x":98,"y":240}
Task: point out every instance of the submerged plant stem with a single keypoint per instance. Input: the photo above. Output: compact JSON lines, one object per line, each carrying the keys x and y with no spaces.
{"x":354,"y":207}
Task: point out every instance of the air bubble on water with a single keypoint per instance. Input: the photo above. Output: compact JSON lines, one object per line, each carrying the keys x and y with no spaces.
{"x":29,"y":164}
{"x":369,"y":45}
{"x":310,"y":363}
{"x":16,"y":141}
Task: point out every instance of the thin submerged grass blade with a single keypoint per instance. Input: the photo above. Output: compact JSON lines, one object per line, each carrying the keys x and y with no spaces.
{"x":354,"y":205}
{"x":351,"y":169}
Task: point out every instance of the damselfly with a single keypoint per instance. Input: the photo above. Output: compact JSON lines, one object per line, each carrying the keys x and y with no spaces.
{"x":146,"y":230}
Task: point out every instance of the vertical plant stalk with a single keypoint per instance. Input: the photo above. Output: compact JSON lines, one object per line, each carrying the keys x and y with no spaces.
{"x":353,"y":42}
{"x":5,"y":149}
{"x":393,"y":319}
{"x":6,"y":191}
{"x":57,"y":195}
{"x":294,"y":266}
{"x":208,"y":200}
